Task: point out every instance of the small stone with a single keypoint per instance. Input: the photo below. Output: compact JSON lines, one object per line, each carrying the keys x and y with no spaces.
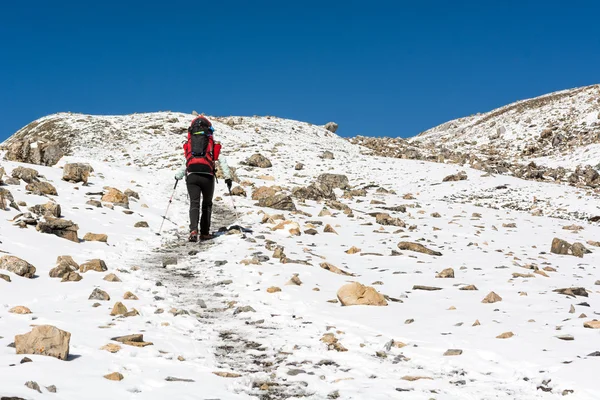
{"x":118,"y":309}
{"x":115,"y":376}
{"x":141,"y":224}
{"x":98,"y":294}
{"x":33,"y":385}
{"x":353,"y":250}
{"x":51,"y":388}
{"x":111,"y":348}
{"x":273,"y":289}
{"x":244,"y":309}
{"x":505,"y":335}
{"x":71,"y":277}
{"x":295,"y":280}
{"x":453,"y":352}
{"x":592,"y":324}
{"x":112,"y":278}
{"x":20,"y":310}
{"x":468,"y":287}
{"x":130,"y":296}
{"x":446,"y":273}
{"x":329,"y":229}
{"x":95,"y":237}
{"x":26,"y":360}
{"x":491,"y":298}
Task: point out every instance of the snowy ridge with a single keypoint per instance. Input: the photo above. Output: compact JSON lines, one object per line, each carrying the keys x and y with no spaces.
{"x":494,"y":231}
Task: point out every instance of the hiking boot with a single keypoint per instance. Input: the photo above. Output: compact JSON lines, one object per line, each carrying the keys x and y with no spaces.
{"x":207,"y":237}
{"x":193,"y":236}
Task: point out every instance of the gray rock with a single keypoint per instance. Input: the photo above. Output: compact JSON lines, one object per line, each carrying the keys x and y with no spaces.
{"x":99,"y":294}
{"x":579,"y":249}
{"x":77,"y":172}
{"x":28,"y":175}
{"x":40,"y":153}
{"x":259,"y":161}
{"x":279,"y":201}
{"x":327,"y":155}
{"x":244,"y":309}
{"x":334,"y":181}
{"x":60,"y":227}
{"x":17,"y":266}
{"x":299,"y":167}
{"x":51,"y":209}
{"x":41,"y":188}
{"x":331,"y":127}
{"x":33,"y":385}
{"x":7,"y":199}
{"x":132,"y":194}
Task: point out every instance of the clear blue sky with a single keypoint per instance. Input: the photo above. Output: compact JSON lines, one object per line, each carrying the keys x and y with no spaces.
{"x":379,"y":68}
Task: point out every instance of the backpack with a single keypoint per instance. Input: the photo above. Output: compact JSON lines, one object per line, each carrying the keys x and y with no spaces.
{"x":200,"y":150}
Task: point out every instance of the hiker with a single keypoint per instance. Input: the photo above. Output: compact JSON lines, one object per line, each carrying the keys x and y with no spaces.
{"x":201,"y":156}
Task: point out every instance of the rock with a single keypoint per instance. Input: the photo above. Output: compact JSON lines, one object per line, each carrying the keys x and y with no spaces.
{"x":2,"y":173}
{"x":17,"y":266}
{"x":244,"y":309}
{"x":505,"y":335}
{"x":111,"y":348}
{"x":29,"y":175}
{"x":25,"y":360}
{"x":331,"y":127}
{"x":130,"y":296}
{"x":595,"y":324}
{"x":227,"y":374}
{"x":273,"y":289}
{"x":132,"y":194}
{"x":311,"y":231}
{"x":264,"y":192}
{"x":386,"y":219}
{"x":332,"y":342}
{"x":93,"y":265}
{"x":20,"y":310}
{"x":329,"y":229}
{"x":7,"y":199}
{"x":566,"y":337}
{"x":115,"y":376}
{"x":560,"y":246}
{"x":426,"y":288}
{"x":446,"y":273}
{"x":334,"y":269}
{"x":299,"y":167}
{"x":65,"y":266}
{"x":327,"y":155}
{"x":491,"y":298}
{"x":115,"y":197}
{"x":71,"y":277}
{"x":334,"y":181}
{"x":579,"y":250}
{"x":41,"y":188}
{"x":175,"y":379}
{"x":294,"y":281}
{"x":33,"y":385}
{"x":453,"y":352}
{"x":30,"y":152}
{"x":118,"y":309}
{"x":259,"y":161}
{"x":45,"y":340}
{"x":96,"y":237}
{"x":324,"y":212}
{"x":461,"y":176}
{"x":50,"y":209}
{"x":573,"y":291}
{"x":419,"y":248}
{"x":353,"y":250}
{"x":414,"y":378}
{"x":141,"y":224}
{"x":238,"y":191}
{"x":5,"y":277}
{"x":112,"y":278}
{"x":314,"y":191}
{"x":279,"y":201}
{"x":356,"y":294}
{"x":77,"y":172}
{"x":468,"y":287}
{"x":136,"y":340}
{"x":60,"y":227}
{"x":99,"y":294}
{"x":94,"y":203}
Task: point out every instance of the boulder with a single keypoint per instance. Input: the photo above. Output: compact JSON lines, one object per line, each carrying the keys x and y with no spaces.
{"x":299,"y":167}
{"x":31,"y":152}
{"x":28,"y":175}
{"x":49,"y":209}
{"x":141,"y":224}
{"x":446,"y":273}
{"x":71,"y":277}
{"x":315,"y":191}
{"x":327,"y":155}
{"x":77,"y":172}
{"x":355,"y":294}
{"x":60,"y":227}
{"x":578,"y":249}
{"x":41,"y":188}
{"x":461,"y":176}
{"x":2,"y":172}
{"x":61,"y":270}
{"x":334,"y":181}
{"x":45,"y":340}
{"x":116,"y":197}
{"x":492,"y":297}
{"x":386,"y":219}
{"x":17,"y":266}
{"x":7,"y":199}
{"x":331,"y":127}
{"x":259,"y":161}
{"x":95,"y":237}
{"x":279,"y":201}
{"x":265,"y":191}
{"x":238,"y":191}
{"x":132,"y":194}
{"x":99,"y":294}
{"x":560,"y":246}
{"x":419,"y":248}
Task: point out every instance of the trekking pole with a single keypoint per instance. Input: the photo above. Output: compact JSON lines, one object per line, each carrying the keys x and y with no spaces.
{"x":168,"y":205}
{"x":237,"y":217}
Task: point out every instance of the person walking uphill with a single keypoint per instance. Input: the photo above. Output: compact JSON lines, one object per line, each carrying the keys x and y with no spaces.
{"x":201,"y":159}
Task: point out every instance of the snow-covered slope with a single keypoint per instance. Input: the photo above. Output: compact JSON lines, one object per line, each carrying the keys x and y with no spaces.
{"x":218,"y":309}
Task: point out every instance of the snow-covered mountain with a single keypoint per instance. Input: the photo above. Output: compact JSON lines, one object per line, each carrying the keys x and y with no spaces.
{"x":257,"y":313}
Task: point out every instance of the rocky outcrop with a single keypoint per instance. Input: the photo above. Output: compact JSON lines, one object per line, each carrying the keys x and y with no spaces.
{"x":60,"y":227}
{"x":40,"y":153}
{"x":77,"y":172}
{"x":45,"y":340}
{"x":17,"y":266}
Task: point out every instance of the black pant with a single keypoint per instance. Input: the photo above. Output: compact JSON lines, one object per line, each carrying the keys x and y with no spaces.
{"x":200,"y":184}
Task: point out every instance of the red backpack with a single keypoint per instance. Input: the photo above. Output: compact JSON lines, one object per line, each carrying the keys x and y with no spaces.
{"x":200,"y":150}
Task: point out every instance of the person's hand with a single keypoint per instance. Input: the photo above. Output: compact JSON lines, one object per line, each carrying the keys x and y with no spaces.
{"x":228,"y":183}
{"x":179,"y":175}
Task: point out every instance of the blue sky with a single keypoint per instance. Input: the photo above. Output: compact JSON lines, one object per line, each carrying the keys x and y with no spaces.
{"x":378,"y":68}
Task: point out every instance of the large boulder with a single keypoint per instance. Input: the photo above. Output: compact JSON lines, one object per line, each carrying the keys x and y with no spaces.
{"x":265,"y":191}
{"x":7,"y":199}
{"x":17,"y":266}
{"x":41,"y":188}
{"x":334,"y":181}
{"x":40,"y":153}
{"x":259,"y":161}
{"x":386,"y":219}
{"x":279,"y":201}
{"x":60,"y":227}
{"x":45,"y":340}
{"x":315,"y":191}
{"x":77,"y":172}
{"x":355,"y":294}
{"x":116,"y":197}
{"x":28,"y":175}
{"x":331,"y":127}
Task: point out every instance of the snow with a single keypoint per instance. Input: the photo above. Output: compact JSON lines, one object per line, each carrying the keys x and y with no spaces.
{"x":480,"y":250}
